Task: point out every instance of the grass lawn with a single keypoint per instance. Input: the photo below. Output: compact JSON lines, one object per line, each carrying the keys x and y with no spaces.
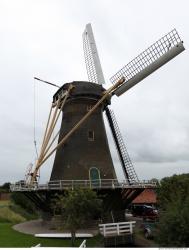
{"x":4,"y":203}
{"x":12,"y":238}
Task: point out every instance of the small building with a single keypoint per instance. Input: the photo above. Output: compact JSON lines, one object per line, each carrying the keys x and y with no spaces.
{"x":147,"y":197}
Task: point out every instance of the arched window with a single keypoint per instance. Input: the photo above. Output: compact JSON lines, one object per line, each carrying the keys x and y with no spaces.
{"x":94,"y":176}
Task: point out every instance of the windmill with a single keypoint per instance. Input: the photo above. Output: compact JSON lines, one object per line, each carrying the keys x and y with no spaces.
{"x":82,"y":153}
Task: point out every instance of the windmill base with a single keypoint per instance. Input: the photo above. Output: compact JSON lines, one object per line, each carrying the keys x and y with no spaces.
{"x":117,"y":200}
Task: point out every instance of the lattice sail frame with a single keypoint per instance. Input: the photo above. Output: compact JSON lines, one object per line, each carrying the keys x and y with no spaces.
{"x":149,"y":60}
{"x":127,"y":165}
{"x":92,"y":60}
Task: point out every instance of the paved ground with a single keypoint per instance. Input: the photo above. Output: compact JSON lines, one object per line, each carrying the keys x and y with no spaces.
{"x":40,"y":227}
{"x":34,"y":227}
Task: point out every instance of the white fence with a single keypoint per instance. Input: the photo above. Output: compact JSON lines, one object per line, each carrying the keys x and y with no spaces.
{"x":83,"y":244}
{"x":117,"y":229}
{"x":38,"y":245}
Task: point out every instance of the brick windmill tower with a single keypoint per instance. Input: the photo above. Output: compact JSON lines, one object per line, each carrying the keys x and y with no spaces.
{"x":83,"y":156}
{"x":86,"y":154}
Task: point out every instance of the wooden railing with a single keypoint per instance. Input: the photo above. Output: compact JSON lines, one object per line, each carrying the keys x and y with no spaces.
{"x":116,"y":229}
{"x":73,"y":184}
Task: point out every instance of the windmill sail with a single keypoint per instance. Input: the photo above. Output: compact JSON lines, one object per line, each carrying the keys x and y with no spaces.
{"x":148,"y":61}
{"x":127,"y":166}
{"x":92,"y":61}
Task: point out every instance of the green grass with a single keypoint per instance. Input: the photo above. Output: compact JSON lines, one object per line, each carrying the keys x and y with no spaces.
{"x":11,"y":214}
{"x":4,"y":203}
{"x":11,"y":238}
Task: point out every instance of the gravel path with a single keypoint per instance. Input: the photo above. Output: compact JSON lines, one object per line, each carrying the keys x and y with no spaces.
{"x":40,"y":227}
{"x":34,"y":227}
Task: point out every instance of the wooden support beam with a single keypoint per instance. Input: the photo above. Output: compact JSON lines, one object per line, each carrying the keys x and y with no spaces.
{"x":51,"y":127}
{"x":46,"y":129}
{"x":60,"y":106}
{"x":46,"y":151}
{"x":49,"y":130}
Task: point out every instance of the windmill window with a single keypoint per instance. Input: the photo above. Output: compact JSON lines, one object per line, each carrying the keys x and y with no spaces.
{"x":89,"y":107}
{"x":90,"y":135}
{"x":94,"y":176}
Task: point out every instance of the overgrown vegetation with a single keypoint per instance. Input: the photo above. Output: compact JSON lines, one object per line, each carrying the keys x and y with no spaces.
{"x":173,"y":197}
{"x":23,"y":202}
{"x":24,"y":213}
{"x":7,"y":215}
{"x":10,"y":212}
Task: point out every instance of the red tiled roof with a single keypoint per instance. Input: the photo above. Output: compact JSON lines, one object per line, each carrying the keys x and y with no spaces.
{"x":147,"y":196}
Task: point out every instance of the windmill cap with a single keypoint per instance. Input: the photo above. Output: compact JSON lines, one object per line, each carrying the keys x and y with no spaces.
{"x":81,"y":89}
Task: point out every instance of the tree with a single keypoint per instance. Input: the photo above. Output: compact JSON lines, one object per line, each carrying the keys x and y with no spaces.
{"x":155,"y":180}
{"x":5,"y":187}
{"x":173,"y":196}
{"x":78,"y":207}
{"x":171,"y":188}
{"x":174,"y":224}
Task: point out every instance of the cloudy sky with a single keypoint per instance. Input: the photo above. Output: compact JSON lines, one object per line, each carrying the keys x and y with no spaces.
{"x":43,"y":38}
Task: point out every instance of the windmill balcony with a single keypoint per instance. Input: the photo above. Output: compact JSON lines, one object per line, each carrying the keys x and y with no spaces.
{"x":74,"y":184}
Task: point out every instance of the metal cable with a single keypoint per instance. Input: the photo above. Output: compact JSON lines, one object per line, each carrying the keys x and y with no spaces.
{"x":34,"y":119}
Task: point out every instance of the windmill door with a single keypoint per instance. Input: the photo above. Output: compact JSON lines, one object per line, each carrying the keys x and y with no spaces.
{"x":94,"y":175}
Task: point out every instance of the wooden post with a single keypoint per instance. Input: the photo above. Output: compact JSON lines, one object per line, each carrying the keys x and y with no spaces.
{"x":131,"y":227}
{"x":117,"y":228}
{"x":104,"y":230}
{"x":100,"y":183}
